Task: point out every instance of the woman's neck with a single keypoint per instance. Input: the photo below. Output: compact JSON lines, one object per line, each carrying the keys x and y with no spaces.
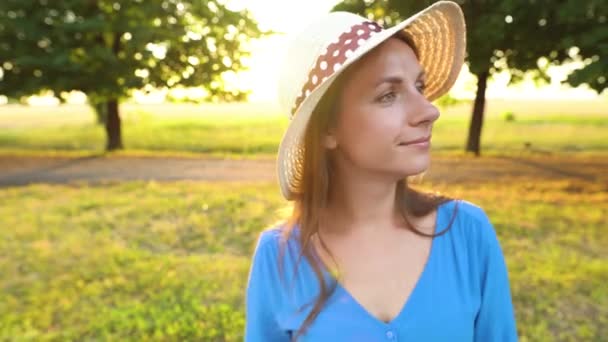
{"x":360,"y":205}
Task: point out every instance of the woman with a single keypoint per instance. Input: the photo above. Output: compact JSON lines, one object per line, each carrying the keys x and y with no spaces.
{"x":364,"y":257}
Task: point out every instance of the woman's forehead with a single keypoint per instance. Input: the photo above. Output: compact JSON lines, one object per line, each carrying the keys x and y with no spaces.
{"x":391,"y":58}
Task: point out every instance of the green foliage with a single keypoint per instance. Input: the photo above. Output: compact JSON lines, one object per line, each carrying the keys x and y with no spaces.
{"x":168,"y":261}
{"x":587,"y":22}
{"x":447,"y":100}
{"x":508,"y":116}
{"x":106,"y":48}
{"x":489,"y":36}
{"x":511,"y":35}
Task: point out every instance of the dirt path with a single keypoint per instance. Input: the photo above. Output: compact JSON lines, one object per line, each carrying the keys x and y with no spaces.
{"x":18,"y":170}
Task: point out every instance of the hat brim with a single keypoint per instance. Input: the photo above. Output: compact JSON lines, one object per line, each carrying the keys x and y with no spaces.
{"x":438,"y":33}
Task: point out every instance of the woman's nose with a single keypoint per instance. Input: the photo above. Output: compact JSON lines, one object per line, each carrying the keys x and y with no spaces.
{"x":424,"y":112}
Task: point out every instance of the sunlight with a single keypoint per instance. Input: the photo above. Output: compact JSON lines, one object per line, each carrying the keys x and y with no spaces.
{"x":290,"y":16}
{"x":283,"y":16}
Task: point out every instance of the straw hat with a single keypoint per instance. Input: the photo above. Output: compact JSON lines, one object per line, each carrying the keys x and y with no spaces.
{"x":316,"y":56}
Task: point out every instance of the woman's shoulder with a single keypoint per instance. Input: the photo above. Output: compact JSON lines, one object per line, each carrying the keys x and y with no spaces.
{"x":269,"y":235}
{"x":463,"y":212}
{"x":268,"y":240}
{"x":470,"y":221}
{"x":271,"y":238}
{"x":472,"y":236}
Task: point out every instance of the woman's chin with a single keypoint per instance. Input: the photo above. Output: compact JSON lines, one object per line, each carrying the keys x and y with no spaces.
{"x":415,"y":166}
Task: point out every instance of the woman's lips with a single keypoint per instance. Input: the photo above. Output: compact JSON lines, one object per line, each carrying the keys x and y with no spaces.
{"x":417,"y":142}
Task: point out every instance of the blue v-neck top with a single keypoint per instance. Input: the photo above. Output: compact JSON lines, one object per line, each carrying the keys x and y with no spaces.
{"x":463,"y":293}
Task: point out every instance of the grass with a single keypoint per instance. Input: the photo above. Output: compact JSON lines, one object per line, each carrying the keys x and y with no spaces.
{"x":241,"y":131}
{"x":252,"y":130}
{"x":168,"y":261}
{"x":128,"y":261}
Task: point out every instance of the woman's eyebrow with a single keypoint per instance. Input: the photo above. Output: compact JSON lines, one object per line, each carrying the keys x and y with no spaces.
{"x":397,"y":79}
{"x":389,"y":79}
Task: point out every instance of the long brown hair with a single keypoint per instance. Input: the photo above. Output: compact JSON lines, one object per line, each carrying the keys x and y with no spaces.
{"x":312,"y":196}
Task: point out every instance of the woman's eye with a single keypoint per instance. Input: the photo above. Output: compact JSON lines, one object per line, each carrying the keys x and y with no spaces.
{"x":388,"y":97}
{"x":421,"y":86}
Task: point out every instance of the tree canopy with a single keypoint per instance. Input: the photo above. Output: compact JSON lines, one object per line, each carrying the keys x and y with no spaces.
{"x":108,"y":48}
{"x":585,"y":24}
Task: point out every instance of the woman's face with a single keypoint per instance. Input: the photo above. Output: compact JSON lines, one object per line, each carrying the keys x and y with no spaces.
{"x":381,"y":109}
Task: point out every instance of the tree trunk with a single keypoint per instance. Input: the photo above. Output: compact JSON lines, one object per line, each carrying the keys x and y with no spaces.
{"x":101,"y":112}
{"x":473,"y":142}
{"x":113,"y":126}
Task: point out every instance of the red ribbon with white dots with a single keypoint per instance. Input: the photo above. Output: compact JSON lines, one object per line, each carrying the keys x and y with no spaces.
{"x":334,"y":57}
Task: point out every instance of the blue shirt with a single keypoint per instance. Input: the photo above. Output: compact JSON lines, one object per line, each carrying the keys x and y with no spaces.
{"x":463,"y":293}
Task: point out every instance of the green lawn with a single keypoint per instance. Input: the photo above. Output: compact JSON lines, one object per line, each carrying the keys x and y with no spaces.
{"x":168,"y":261}
{"x":249,"y":130}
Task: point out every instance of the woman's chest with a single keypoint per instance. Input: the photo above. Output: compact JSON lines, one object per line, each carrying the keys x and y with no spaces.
{"x":383,"y":285}
{"x":439,"y":303}
{"x":427,"y":316}
{"x":380,"y":279}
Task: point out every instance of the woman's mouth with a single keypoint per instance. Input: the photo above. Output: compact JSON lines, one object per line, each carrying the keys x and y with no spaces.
{"x":420,"y":142}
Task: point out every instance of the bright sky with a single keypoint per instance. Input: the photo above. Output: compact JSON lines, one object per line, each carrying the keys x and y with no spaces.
{"x":292,"y":15}
{"x":289,"y":16}
{"x":286,"y":16}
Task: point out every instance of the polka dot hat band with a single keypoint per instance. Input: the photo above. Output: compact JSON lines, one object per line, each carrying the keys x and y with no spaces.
{"x":334,"y":56}
{"x":317,"y":55}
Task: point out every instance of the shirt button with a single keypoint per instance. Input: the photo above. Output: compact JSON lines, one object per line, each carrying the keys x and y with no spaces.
{"x":390,"y":335}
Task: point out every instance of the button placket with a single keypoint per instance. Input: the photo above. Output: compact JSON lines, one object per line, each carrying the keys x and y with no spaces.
{"x":390,"y":335}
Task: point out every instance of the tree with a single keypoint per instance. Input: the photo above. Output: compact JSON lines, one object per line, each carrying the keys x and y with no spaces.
{"x":586,"y":21}
{"x":501,"y":35}
{"x":108,"y":48}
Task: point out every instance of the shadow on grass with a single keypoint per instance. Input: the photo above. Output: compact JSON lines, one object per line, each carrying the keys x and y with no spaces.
{"x":42,"y":174}
{"x":550,"y":168}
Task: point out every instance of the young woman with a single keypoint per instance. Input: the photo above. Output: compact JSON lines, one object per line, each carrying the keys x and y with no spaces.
{"x":365,"y":257}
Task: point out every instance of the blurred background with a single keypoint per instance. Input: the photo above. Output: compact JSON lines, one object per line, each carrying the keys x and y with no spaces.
{"x":138,"y":141}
